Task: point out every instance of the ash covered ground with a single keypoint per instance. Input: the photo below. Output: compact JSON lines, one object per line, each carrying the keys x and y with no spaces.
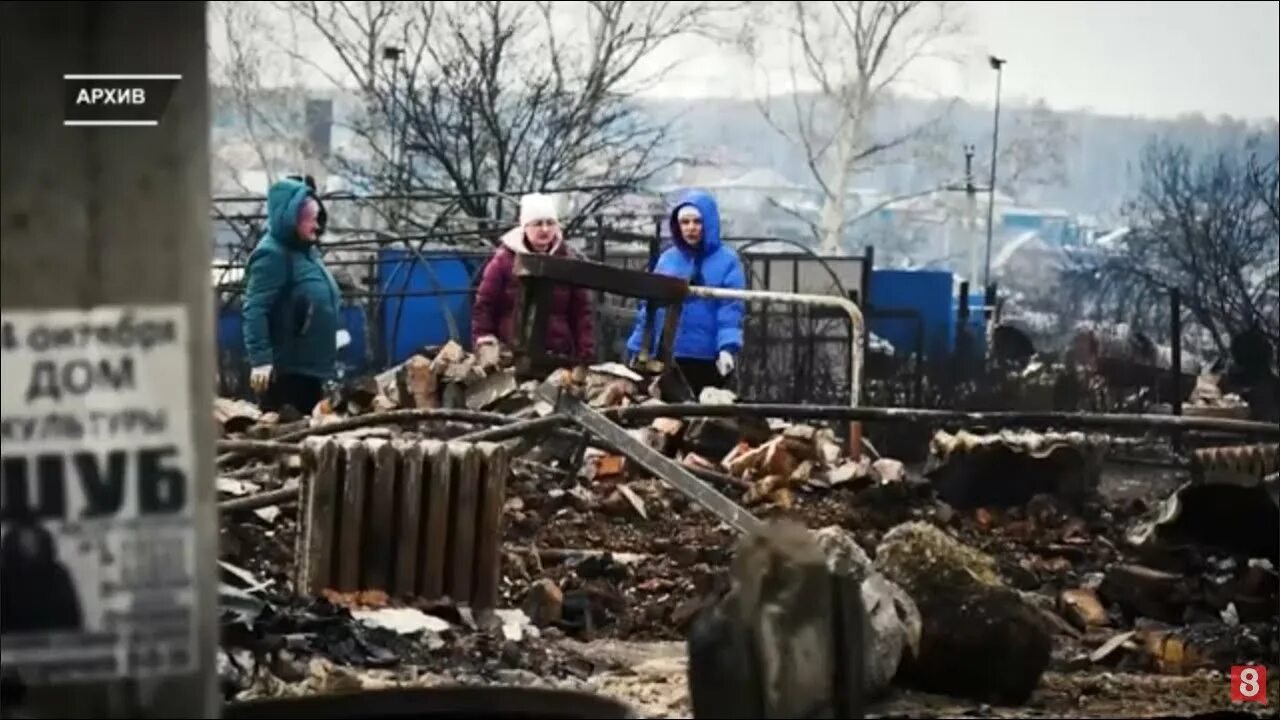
{"x":1110,"y":590}
{"x":629,"y":587}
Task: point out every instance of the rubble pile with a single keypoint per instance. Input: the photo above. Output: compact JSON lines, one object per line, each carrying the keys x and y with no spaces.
{"x":1057,"y":585}
{"x":261,"y":538}
{"x":996,"y":572}
{"x":978,"y":639}
{"x":277,"y":643}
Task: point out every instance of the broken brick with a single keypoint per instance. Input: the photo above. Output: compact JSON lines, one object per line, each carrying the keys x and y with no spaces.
{"x":450,"y":354}
{"x":610,"y":466}
{"x":803,"y":433}
{"x":484,"y":393}
{"x":733,"y":455}
{"x":421,"y":382}
{"x":778,"y":459}
{"x":888,"y":470}
{"x":1082,"y":607}
{"x":848,"y":472}
{"x":764,"y":487}
{"x":544,"y":603}
{"x":696,"y":461}
{"x":802,"y":473}
{"x":488,"y":355}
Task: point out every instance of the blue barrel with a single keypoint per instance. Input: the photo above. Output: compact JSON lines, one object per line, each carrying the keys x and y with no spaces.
{"x":426,"y":301}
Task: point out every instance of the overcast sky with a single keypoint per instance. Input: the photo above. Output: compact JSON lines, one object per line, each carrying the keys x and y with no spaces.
{"x":1140,"y":58}
{"x":1128,"y":58}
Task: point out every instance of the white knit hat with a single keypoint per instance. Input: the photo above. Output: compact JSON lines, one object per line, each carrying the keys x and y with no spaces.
{"x":536,"y":206}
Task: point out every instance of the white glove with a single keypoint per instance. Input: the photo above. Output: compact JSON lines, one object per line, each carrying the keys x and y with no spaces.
{"x":260,"y":378}
{"x":343,"y":339}
{"x":724,"y":363}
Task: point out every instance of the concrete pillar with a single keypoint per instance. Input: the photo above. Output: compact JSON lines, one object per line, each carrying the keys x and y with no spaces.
{"x":105,"y":216}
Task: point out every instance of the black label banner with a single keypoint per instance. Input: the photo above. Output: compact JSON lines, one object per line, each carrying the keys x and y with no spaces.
{"x":117,"y":100}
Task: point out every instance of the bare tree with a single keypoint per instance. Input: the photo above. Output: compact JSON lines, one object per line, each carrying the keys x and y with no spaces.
{"x":475,"y":102}
{"x":1206,"y":224}
{"x":847,"y":58}
{"x":257,"y":92}
{"x":1032,"y":152}
{"x":841,"y":104}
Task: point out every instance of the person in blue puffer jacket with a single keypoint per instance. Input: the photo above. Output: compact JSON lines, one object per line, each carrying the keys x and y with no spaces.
{"x":709,"y":337}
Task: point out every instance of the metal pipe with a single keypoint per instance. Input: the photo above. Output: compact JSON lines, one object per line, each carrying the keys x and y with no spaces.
{"x":268,"y":447}
{"x":1175,"y":356}
{"x":831,"y":301}
{"x":1165,"y":423}
{"x":515,"y":429}
{"x":997,"y":64}
{"x":386,"y":418}
{"x":261,"y":500}
{"x":398,"y":416}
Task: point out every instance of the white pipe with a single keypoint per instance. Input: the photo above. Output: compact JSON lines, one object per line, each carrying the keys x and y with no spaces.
{"x":834,"y":301}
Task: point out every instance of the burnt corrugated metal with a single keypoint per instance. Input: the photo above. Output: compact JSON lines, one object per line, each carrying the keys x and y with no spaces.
{"x":1256,"y":460}
{"x":417,"y":518}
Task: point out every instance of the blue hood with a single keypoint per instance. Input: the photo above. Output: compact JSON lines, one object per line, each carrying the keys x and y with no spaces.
{"x":284,"y":200}
{"x":706,"y":205}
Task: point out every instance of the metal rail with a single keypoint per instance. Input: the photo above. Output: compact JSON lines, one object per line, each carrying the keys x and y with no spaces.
{"x":831,"y":301}
{"x":856,"y":340}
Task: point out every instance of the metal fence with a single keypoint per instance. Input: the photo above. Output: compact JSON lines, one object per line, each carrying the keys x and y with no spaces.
{"x":791,"y":354}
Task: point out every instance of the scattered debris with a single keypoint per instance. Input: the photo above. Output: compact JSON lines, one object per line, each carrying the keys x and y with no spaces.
{"x":406,"y":621}
{"x":1228,"y":516}
{"x":1082,"y":607}
{"x":895,"y":623}
{"x":1009,"y":468}
{"x":1009,"y":571}
{"x":544,"y":603}
{"x":235,"y":416}
{"x":979,"y":639}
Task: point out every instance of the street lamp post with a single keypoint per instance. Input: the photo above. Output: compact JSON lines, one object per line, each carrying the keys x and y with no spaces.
{"x":997,"y":64}
{"x":395,"y":148}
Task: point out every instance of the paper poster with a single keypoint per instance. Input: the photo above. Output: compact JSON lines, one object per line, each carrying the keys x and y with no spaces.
{"x":97,"y":502}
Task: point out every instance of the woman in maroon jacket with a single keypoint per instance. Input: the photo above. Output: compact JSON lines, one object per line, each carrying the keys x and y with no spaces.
{"x":569,"y":328}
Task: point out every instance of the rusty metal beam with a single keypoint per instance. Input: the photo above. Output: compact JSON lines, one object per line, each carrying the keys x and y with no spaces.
{"x":655,"y":462}
{"x":602,"y":277}
{"x":538,"y":277}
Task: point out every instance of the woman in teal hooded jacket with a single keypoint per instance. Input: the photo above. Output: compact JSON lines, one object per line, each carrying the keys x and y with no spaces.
{"x":291,"y":303}
{"x":709,"y":337}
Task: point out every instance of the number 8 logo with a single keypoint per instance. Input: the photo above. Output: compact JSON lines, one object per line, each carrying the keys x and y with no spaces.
{"x":1249,"y":682}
